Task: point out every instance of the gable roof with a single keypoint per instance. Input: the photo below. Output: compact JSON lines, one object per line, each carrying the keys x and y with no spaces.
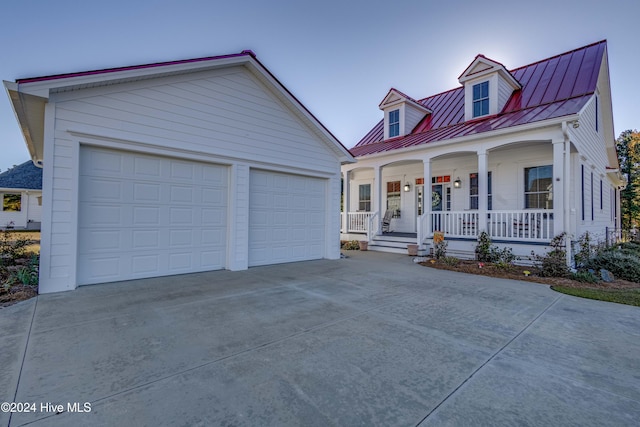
{"x":552,"y":88}
{"x":28,"y":96}
{"x":26,"y":176}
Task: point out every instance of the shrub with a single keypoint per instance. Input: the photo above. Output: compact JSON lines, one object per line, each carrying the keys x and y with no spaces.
{"x":483,"y":248}
{"x":554,"y":262}
{"x":623,"y":265}
{"x":451,"y":260}
{"x":586,"y":276}
{"x":349,"y":245}
{"x":487,"y":252}
{"x":439,"y":245}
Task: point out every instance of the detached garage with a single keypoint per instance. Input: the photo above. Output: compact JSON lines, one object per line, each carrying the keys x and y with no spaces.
{"x":177,"y":167}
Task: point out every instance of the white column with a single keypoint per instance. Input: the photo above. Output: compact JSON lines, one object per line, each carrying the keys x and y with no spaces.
{"x":426,"y":196}
{"x":483,"y":191}
{"x":558,"y":187}
{"x":346,"y":201}
{"x":377,"y":193}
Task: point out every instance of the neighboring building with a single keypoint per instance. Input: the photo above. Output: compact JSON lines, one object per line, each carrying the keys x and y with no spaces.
{"x":524,"y":154}
{"x":177,"y":167}
{"x":21,"y":196}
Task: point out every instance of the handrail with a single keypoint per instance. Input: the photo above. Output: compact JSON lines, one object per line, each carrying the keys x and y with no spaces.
{"x":372,"y":229}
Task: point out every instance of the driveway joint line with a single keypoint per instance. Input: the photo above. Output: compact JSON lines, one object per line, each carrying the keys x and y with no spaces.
{"x":24,"y":356}
{"x":493,"y":356}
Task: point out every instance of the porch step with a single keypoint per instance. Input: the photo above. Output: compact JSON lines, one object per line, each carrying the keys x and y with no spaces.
{"x":390,"y":243}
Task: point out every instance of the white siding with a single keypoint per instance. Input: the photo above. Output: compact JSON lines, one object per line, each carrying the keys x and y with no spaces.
{"x":30,"y":209}
{"x":592,"y":152}
{"x":504,"y":92}
{"x":412,"y":118}
{"x":227,"y":113}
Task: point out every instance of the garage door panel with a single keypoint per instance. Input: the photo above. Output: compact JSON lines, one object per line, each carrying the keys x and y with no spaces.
{"x":284,"y":217}
{"x":144,"y":216}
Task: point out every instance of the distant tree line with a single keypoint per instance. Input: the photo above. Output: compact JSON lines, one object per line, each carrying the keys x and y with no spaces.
{"x":628,"y":147}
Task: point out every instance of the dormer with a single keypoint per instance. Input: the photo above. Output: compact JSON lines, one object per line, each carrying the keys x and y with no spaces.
{"x":401,"y":114}
{"x":488,"y":85}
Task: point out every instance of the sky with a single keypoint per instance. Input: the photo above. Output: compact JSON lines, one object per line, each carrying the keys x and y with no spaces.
{"x":338,"y":57}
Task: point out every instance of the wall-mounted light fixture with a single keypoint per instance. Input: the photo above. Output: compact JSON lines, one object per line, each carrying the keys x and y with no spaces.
{"x":575,"y":124}
{"x":407,"y":187}
{"x":457,"y":183}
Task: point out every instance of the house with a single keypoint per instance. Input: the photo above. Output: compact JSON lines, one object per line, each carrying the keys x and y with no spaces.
{"x":21,"y":195}
{"x":177,"y":167}
{"x":523,"y":154}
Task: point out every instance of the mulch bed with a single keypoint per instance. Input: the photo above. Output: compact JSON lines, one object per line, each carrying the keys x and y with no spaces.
{"x":15,"y":294}
{"x":516,"y":272}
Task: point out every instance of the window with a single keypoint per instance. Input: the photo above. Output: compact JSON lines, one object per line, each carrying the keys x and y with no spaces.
{"x":481,"y":99}
{"x":393,"y":198}
{"x":394,"y":123}
{"x":11,"y":202}
{"x":364,"y":198}
{"x":473,"y":191}
{"x":538,"y":187}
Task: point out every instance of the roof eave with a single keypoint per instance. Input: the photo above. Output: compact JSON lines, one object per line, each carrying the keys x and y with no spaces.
{"x":29,"y":111}
{"x":466,"y":138}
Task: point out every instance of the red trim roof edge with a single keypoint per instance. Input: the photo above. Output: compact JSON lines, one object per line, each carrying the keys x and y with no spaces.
{"x":134,"y":67}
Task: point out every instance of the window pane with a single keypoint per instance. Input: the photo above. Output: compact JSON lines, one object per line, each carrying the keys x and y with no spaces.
{"x":484,"y":89}
{"x":12,"y":203}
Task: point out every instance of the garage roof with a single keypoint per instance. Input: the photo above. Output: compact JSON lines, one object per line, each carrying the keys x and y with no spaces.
{"x":29,"y":96}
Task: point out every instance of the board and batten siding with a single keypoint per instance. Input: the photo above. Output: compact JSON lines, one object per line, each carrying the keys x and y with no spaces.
{"x":227,"y":114}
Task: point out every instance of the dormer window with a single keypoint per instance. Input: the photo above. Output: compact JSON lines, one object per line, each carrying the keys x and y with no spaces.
{"x":481,"y":99}
{"x":394,"y":123}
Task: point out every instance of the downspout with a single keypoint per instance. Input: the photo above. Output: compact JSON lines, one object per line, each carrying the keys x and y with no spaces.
{"x":567,"y":188}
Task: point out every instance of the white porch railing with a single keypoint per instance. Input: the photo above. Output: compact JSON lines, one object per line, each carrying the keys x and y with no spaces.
{"x":357,"y":222}
{"x":521,"y":225}
{"x":528,"y":225}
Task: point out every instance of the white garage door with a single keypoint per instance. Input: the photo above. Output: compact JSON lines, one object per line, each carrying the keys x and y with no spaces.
{"x":146,"y":216}
{"x":286,"y":218}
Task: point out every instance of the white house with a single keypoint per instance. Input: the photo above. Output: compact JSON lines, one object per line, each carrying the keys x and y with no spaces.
{"x":523,"y":154}
{"x":177,"y":167}
{"x":21,"y":196}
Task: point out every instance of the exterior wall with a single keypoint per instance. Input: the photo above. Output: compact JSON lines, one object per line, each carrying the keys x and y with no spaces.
{"x":504,"y":93}
{"x":225,"y":116}
{"x":412,"y":118}
{"x":592,"y":155}
{"x":31,"y":210}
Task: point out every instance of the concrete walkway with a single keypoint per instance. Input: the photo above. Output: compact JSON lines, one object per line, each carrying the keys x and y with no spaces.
{"x":369,"y":340}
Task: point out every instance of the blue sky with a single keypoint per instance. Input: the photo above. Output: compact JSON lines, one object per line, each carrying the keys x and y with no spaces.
{"x":339,"y":57}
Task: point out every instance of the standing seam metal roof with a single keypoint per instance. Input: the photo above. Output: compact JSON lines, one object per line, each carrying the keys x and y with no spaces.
{"x":551,"y":88}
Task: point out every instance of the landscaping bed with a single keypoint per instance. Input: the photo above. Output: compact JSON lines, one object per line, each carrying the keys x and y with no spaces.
{"x":19,"y":262}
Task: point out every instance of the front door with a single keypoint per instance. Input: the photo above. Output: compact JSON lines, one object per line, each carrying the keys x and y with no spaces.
{"x":440,"y":201}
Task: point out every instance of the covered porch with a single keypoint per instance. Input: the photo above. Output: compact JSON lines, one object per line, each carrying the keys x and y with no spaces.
{"x":514,"y":192}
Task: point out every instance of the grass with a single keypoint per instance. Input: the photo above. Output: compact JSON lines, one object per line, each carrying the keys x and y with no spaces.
{"x":620,"y":296}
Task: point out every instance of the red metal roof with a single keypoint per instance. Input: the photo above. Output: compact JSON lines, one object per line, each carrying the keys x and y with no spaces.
{"x":551,"y":88}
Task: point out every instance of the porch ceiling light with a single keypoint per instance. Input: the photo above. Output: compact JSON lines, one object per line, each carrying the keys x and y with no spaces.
{"x":407,"y":187}
{"x":457,"y":183}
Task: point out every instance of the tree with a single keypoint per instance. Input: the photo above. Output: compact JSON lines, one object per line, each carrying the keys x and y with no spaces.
{"x":628,"y":147}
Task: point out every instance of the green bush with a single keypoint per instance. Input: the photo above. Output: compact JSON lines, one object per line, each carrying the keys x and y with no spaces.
{"x":451,"y":260}
{"x":585,"y":276}
{"x":350,"y":245}
{"x":623,"y":265}
{"x":483,"y":248}
{"x":554,"y":262}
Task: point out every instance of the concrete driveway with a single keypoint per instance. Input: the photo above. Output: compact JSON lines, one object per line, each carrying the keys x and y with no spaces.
{"x":369,"y":340}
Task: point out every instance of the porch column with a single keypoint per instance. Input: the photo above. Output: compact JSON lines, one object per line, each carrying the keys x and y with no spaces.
{"x":483,"y":191}
{"x":346,"y":200}
{"x":558,"y":187}
{"x":377,"y":192}
{"x":427,"y":201}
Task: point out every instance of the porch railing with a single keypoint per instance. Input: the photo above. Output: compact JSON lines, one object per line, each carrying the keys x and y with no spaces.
{"x":523,"y":225}
{"x":356,"y":222}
